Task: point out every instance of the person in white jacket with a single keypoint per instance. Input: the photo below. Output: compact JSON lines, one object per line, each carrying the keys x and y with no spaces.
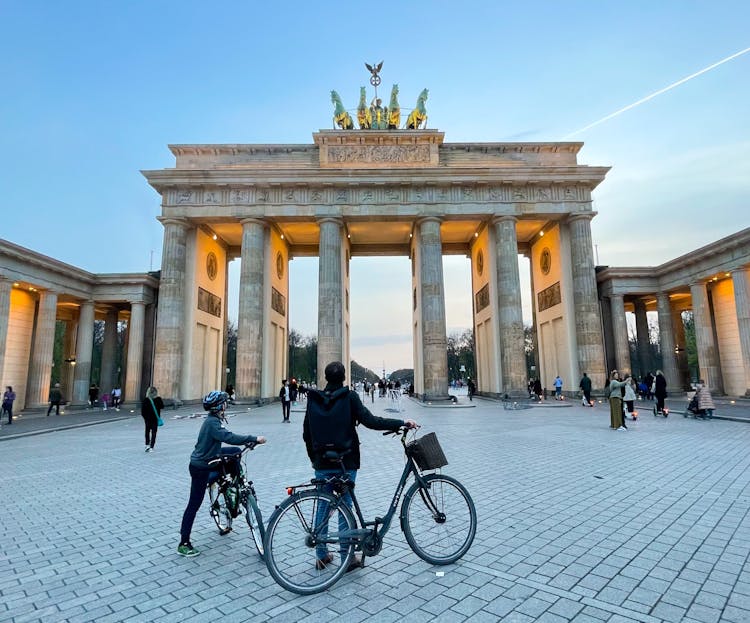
{"x":629,"y":399}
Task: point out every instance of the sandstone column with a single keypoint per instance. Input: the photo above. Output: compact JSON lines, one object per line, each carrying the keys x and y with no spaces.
{"x":330,"y":299}
{"x":170,"y":323}
{"x":5,"y":288}
{"x":708,"y":356}
{"x":585,"y":300}
{"x":509,"y":312}
{"x":69,"y":352}
{"x":620,"y":331}
{"x":678,"y":328}
{"x":84,"y":349}
{"x":434,"y":340}
{"x":40,"y":369}
{"x":134,"y":365}
{"x":109,"y":349}
{"x":741,"y":283}
{"x":250,"y":323}
{"x":643,"y":340}
{"x":667,"y":343}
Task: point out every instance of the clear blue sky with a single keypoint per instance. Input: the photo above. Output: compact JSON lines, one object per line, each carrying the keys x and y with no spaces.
{"x":92,"y":92}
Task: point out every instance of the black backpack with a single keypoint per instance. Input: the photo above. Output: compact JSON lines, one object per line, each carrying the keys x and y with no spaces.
{"x":329,"y":419}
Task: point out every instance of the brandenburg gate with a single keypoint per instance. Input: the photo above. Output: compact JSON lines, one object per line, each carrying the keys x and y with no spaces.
{"x":368,"y":193}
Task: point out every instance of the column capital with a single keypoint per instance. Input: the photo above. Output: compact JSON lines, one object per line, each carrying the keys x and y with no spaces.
{"x":254,"y":220}
{"x":617,"y":296}
{"x":173,"y":220}
{"x":428,"y":219}
{"x":580,"y":216}
{"x":330,"y":219}
{"x":137,"y":302}
{"x":504,"y":218}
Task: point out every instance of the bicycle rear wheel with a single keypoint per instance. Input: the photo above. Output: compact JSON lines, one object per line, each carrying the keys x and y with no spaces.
{"x":254,"y":521}
{"x":298,"y":537}
{"x":440,"y":521}
{"x":219,"y":510}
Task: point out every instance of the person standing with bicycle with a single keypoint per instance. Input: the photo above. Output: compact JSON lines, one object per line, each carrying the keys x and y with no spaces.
{"x":212,"y":433}
{"x":330,"y":424}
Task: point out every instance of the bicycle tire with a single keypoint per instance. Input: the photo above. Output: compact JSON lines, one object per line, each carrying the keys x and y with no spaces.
{"x":429,"y":535}
{"x":255,"y":522}
{"x":219,"y":510}
{"x":290,"y":553}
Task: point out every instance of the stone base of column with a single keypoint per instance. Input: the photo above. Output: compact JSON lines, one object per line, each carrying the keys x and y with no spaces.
{"x":447,"y":398}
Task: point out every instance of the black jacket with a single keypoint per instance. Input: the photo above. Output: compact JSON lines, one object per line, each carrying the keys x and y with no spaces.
{"x":359,"y":415}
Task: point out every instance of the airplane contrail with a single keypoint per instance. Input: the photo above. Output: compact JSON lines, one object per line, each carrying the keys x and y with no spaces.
{"x":659,"y":92}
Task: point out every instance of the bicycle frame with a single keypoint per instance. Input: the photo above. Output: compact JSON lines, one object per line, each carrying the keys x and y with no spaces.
{"x":371,"y":527}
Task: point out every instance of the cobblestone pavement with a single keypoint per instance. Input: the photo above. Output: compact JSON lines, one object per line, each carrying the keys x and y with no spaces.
{"x":576,"y":523}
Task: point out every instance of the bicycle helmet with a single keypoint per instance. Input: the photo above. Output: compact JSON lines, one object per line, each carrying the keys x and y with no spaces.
{"x":215,"y":400}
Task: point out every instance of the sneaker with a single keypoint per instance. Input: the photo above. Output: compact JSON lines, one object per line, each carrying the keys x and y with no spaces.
{"x":148,"y":448}
{"x":186,"y":549}
{"x":622,"y":428}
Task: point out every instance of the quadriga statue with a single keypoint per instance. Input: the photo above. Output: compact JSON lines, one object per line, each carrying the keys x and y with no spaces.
{"x":364,"y":116}
{"x":394,"y":111}
{"x":418,"y":117}
{"x":341,"y":118}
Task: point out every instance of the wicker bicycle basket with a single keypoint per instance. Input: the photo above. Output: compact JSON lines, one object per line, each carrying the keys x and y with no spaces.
{"x":427,"y":453}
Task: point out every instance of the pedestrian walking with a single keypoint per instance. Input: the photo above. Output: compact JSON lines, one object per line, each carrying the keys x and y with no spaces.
{"x":705,"y":401}
{"x":93,"y":395}
{"x":55,"y":398}
{"x":616,"y":421}
{"x":285,"y":395}
{"x":585,"y":386}
{"x":9,"y":397}
{"x":471,"y":388}
{"x":151,"y":407}
{"x":649,"y":382}
{"x":659,"y":389}
{"x":538,"y":391}
{"x":558,"y":387}
{"x":629,"y":398}
{"x":116,"y":397}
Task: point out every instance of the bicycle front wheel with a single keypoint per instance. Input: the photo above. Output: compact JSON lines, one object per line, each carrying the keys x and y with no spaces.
{"x":254,"y":521}
{"x":219,"y":510}
{"x":439,"y":521}
{"x":303,"y":553}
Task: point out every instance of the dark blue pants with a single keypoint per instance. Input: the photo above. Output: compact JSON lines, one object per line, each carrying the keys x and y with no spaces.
{"x":199,"y":479}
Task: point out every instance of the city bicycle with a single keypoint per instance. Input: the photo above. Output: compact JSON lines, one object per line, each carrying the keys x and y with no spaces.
{"x":437,"y":517}
{"x":231,"y":494}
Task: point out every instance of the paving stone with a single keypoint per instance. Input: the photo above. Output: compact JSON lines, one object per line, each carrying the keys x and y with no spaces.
{"x":559,"y":548}
{"x":669,"y":612}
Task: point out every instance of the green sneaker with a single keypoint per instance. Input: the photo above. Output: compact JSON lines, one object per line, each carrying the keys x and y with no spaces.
{"x":186,"y":549}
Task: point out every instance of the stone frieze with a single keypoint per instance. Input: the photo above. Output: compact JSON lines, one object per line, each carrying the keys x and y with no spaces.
{"x":450,"y":194}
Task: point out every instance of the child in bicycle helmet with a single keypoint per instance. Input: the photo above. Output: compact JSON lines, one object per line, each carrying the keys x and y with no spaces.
{"x":212,"y":433}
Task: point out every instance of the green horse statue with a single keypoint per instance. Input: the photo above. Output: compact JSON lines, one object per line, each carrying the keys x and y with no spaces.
{"x":394,"y":111}
{"x":341,"y":118}
{"x":418,"y":116}
{"x":364,"y":116}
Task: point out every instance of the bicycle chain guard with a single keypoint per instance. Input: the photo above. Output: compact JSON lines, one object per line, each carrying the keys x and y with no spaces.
{"x":372,"y":543}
